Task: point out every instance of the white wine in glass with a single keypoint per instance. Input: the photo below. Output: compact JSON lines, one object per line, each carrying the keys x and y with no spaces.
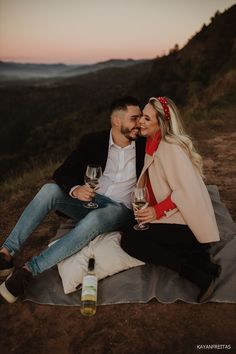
{"x":91,"y":178}
{"x":140,"y":201}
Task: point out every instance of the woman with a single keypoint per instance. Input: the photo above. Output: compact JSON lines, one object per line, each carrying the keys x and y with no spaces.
{"x":180,"y":213}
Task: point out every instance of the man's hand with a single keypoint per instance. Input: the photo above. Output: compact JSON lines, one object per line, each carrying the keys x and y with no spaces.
{"x":145,"y":215}
{"x":84,"y":193}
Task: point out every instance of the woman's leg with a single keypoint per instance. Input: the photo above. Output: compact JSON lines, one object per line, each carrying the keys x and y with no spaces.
{"x":155,"y":245}
{"x":170,"y":245}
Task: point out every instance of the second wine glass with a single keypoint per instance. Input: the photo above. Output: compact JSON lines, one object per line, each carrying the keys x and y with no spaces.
{"x":92,"y":175}
{"x":140,"y":201}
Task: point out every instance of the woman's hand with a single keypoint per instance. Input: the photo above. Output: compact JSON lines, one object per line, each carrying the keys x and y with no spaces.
{"x":146,"y":215}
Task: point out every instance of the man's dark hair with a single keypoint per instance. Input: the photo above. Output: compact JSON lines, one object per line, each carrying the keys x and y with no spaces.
{"x":123,"y":103}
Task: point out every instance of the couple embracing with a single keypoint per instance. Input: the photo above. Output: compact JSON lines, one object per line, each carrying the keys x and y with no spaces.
{"x":146,"y":149}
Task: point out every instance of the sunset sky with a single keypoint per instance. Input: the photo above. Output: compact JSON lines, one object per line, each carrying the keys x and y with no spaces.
{"x":88,"y":31}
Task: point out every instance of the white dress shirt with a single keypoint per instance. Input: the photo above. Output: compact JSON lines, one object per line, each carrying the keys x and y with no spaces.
{"x":119,"y":177}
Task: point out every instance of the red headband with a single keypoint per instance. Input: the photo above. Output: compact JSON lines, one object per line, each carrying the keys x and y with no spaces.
{"x":164,"y":104}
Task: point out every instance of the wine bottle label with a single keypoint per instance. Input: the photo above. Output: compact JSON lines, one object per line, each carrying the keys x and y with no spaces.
{"x":90,"y":283}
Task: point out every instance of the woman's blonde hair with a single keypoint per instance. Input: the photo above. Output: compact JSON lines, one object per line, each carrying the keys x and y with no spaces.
{"x":172,"y":130}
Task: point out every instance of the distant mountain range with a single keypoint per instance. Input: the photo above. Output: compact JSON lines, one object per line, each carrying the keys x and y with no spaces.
{"x":18,"y":71}
{"x":43,"y":120}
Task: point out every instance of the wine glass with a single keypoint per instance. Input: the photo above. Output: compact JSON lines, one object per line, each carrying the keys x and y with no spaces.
{"x":140,"y":201}
{"x":92,"y":175}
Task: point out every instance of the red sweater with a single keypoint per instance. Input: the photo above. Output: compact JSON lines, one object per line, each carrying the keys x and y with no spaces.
{"x":166,"y":204}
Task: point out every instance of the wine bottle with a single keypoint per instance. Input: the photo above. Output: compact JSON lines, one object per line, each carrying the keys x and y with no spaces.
{"x":89,"y":290}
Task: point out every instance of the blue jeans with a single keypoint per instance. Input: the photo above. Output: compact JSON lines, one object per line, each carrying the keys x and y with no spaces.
{"x":108,"y":217}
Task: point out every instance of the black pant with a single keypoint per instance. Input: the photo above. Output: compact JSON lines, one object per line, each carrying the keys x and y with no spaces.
{"x":170,"y":245}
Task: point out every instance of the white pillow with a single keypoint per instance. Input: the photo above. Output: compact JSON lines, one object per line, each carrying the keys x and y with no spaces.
{"x":110,"y":258}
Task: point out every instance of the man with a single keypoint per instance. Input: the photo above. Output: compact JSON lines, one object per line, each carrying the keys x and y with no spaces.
{"x":121,"y":159}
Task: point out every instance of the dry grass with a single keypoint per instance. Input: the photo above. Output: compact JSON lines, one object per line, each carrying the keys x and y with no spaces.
{"x":28,"y":180}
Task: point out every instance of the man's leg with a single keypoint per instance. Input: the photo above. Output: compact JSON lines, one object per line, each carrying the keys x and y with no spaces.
{"x":108,"y":217}
{"x":50,"y":197}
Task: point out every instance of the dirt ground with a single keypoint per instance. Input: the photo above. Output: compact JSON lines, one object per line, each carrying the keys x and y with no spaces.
{"x":28,"y":328}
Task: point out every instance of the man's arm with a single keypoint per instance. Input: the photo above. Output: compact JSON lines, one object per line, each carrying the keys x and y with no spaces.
{"x":93,"y":148}
{"x":71,"y":172}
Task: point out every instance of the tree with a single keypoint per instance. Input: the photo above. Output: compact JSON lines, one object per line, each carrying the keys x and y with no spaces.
{"x":174,"y":50}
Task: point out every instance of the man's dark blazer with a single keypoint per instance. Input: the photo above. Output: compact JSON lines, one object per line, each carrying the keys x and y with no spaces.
{"x":92,"y":149}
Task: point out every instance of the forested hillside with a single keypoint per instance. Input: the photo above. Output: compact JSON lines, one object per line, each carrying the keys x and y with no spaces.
{"x":43,"y":120}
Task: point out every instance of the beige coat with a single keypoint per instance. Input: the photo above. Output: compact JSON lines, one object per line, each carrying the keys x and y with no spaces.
{"x":171,"y":172}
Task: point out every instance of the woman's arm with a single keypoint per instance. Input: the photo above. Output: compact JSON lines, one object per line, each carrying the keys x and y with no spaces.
{"x":189,"y":192}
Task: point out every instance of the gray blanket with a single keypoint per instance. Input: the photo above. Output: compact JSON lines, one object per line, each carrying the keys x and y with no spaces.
{"x":143,"y":283}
